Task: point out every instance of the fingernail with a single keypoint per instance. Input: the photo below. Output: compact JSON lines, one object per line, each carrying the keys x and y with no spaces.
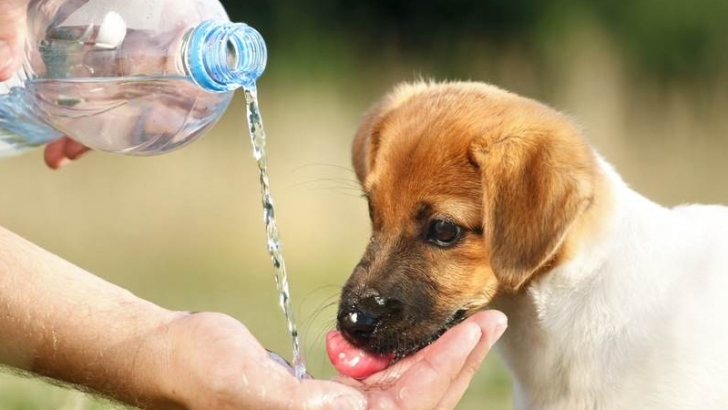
{"x":498,"y":329}
{"x":6,"y":55}
{"x":348,"y":403}
{"x":62,"y":163}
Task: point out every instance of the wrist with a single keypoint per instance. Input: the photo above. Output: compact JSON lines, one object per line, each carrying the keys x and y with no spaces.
{"x":167,"y":386}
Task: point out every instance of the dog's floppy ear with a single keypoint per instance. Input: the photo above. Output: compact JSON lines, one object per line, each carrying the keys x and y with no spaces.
{"x":535,"y":185}
{"x":366,"y":142}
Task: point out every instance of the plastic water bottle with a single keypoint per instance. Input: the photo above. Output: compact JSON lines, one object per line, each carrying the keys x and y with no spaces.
{"x":138,"y":77}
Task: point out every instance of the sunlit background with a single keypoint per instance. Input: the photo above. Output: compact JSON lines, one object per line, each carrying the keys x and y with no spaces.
{"x":647,"y":79}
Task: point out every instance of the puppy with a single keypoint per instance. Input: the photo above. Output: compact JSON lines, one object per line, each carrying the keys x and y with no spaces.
{"x":479,"y":197}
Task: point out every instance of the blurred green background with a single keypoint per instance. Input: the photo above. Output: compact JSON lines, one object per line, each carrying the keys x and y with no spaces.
{"x":647,"y":79}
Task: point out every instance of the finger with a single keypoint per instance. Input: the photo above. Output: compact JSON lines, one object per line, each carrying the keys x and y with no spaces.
{"x":61,"y":152}
{"x":283,"y":391}
{"x":395,"y":372}
{"x":325,"y":395}
{"x":73,"y":149}
{"x":493,"y":324}
{"x":54,"y":156}
{"x":424,"y":384}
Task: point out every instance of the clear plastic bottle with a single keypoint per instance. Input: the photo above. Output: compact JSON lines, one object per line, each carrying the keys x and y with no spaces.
{"x":137,"y":77}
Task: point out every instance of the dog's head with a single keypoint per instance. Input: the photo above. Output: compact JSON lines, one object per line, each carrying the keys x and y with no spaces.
{"x":472,"y":190}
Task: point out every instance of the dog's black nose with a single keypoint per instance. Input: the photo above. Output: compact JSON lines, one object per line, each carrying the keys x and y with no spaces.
{"x":359,"y":321}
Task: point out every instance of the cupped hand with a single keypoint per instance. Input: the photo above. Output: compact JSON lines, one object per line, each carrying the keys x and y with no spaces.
{"x":215,"y":363}
{"x":437,"y":376}
{"x":218,"y":364}
{"x":12,"y":35}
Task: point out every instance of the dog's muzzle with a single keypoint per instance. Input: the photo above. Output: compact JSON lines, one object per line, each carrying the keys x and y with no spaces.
{"x":360,"y":319}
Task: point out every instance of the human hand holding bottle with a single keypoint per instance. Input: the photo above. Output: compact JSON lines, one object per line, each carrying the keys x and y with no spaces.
{"x":132,"y":77}
{"x":12,"y":35}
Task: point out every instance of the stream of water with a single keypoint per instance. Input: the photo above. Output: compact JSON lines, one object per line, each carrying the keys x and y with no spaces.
{"x":258,"y":138}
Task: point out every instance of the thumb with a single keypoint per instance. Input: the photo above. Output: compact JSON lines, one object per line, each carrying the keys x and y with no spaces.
{"x":12,"y":34}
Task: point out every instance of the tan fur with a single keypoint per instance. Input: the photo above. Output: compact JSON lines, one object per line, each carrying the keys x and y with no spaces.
{"x":489,"y":159}
{"x":385,"y":149}
{"x":614,"y":302}
{"x":538,"y":178}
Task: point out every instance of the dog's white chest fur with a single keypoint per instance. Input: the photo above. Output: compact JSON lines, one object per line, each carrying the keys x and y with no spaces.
{"x":636,"y":320}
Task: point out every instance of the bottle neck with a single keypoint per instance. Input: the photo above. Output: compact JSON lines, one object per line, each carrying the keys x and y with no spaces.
{"x":222,"y":56}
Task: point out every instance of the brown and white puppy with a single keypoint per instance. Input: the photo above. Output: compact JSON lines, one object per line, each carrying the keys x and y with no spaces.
{"x":481,"y":197}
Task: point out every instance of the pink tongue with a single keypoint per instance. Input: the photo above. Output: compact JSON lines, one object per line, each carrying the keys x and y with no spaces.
{"x":352,"y":361}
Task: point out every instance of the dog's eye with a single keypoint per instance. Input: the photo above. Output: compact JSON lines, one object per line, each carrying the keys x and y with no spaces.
{"x":444,"y":233}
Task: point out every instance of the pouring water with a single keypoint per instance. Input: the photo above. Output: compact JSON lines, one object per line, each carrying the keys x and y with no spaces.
{"x":258,"y":139}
